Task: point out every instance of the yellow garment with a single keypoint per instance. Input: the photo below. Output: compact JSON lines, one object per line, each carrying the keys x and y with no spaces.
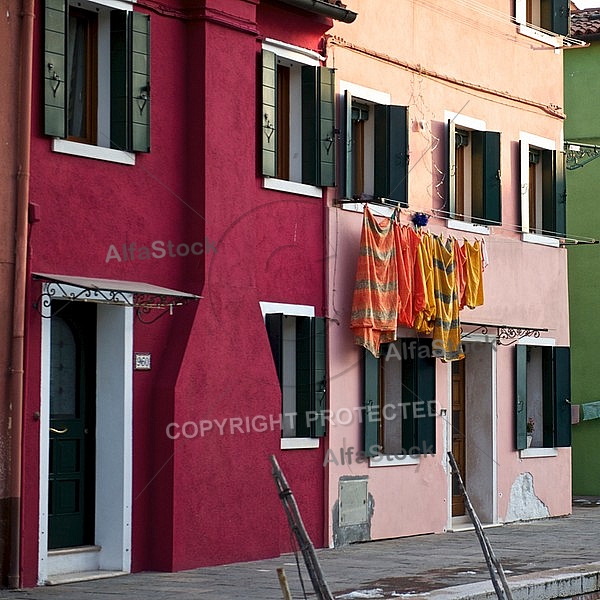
{"x":446,"y":330}
{"x":474,"y":273}
{"x":424,"y":318}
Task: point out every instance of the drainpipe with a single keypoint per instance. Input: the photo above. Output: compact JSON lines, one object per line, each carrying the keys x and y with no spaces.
{"x":16,"y":369}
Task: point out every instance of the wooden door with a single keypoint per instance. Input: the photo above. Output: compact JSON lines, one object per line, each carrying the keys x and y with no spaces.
{"x":458,"y":434}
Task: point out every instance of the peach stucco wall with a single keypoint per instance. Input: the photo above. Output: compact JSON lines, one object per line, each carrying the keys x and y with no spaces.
{"x":514,"y":85}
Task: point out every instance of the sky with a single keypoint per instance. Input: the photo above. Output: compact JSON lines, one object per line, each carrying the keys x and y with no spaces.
{"x":587,"y":3}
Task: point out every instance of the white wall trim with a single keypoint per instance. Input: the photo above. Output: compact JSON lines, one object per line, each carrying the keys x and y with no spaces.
{"x":385,"y":460}
{"x":538,"y":452}
{"x":533,"y":341}
{"x":299,"y":443}
{"x":294,"y":53}
{"x":292,"y":187}
{"x":293,"y":310}
{"x":543,"y":240}
{"x":470,"y":227}
{"x":89,"y":151}
{"x":464,"y":121}
{"x":364,"y":93}
{"x":114,"y":433}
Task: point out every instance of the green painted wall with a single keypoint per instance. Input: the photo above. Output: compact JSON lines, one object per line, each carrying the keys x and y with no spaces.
{"x":582,"y":107}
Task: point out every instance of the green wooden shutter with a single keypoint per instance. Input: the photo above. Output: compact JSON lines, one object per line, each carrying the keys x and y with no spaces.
{"x":451,"y":189}
{"x":319,"y":377}
{"x":55,"y":73}
{"x":119,"y":81}
{"x":391,"y":153}
{"x":562,"y":396}
{"x":521,"y":397}
{"x":371,"y":399}
{"x":348,"y":148}
{"x":326,"y":140}
{"x":560,"y":16}
{"x":274,"y":324}
{"x":548,"y":191}
{"x":548,"y":397}
{"x":268,"y":117}
{"x":492,"y":197}
{"x":310,"y":126}
{"x":560,"y":194}
{"x":140,"y":82}
{"x":304,"y":374}
{"x":425,"y":385}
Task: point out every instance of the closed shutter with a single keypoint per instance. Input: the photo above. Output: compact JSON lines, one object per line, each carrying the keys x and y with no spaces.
{"x":55,"y":74}
{"x":549,"y":200}
{"x":310,"y":126}
{"x":492,"y":199}
{"x":348,"y":145}
{"x":304,"y":372}
{"x":425,"y":388}
{"x":521,"y":397}
{"x":326,"y":140}
{"x":391,"y":153}
{"x":140,"y":82}
{"x":268,"y":116}
{"x":560,"y":194}
{"x":119,"y":81}
{"x":319,"y":377}
{"x":548,"y":395}
{"x":560,"y":16}
{"x":562,"y":396}
{"x":371,"y":399}
{"x":274,"y":323}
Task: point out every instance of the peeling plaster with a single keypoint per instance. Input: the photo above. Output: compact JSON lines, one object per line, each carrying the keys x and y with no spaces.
{"x":523,"y":504}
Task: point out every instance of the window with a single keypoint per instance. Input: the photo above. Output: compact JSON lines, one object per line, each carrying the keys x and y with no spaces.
{"x":97,"y":75}
{"x":375,"y":151}
{"x":474,"y":174}
{"x":543,"y":191}
{"x":298,"y":346}
{"x":548,"y":15}
{"x":297,"y":119}
{"x":399,"y":392}
{"x":543,"y":389}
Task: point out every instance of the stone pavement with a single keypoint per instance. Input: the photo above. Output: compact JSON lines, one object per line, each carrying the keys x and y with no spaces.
{"x":406,"y":567}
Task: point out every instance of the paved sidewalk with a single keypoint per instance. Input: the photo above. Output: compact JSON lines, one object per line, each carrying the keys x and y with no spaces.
{"x":405,"y":567}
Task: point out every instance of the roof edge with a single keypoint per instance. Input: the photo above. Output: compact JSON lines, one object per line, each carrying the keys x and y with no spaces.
{"x":322,"y":7}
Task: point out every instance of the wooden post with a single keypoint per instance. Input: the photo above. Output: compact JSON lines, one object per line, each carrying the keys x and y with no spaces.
{"x":283,"y":582}
{"x":297,"y":526}
{"x":493,"y":564}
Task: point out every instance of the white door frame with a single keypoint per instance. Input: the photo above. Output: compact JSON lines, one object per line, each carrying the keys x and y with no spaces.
{"x":114,"y":428}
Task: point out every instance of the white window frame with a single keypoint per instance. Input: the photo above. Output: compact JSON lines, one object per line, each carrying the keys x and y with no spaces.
{"x":101,"y":150}
{"x":470,"y":124}
{"x":298,"y":56}
{"x":532,"y":32}
{"x":292,"y":310}
{"x":529,"y":140}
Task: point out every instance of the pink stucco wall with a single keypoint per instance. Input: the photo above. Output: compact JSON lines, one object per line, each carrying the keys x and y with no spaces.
{"x":513,"y":81}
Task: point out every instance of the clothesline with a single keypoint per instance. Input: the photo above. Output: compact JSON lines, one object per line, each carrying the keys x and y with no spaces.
{"x":410,"y":278}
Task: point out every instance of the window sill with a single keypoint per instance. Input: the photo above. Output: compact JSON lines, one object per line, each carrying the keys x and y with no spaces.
{"x":299,"y":443}
{"x":292,"y":187}
{"x":470,"y":227}
{"x":89,"y":151}
{"x":540,"y":36}
{"x":538,"y":452}
{"x":384,"y":460}
{"x":543,"y":240}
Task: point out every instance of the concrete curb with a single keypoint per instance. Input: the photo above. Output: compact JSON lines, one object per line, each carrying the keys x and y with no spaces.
{"x":542,"y":585}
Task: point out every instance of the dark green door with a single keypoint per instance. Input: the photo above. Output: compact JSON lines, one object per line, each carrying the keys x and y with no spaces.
{"x":72,"y":425}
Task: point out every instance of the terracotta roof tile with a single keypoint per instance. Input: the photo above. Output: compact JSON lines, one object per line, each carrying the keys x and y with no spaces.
{"x":585,"y":23}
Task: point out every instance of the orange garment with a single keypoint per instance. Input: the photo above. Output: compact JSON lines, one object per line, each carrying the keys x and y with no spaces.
{"x":461,"y":272}
{"x":375,"y":302}
{"x":474,"y":270}
{"x":411,"y":282}
{"x":424,"y":318}
{"x":446,"y":342}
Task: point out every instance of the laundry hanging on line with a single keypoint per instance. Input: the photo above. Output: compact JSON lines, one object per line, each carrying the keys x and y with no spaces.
{"x":406,"y":278}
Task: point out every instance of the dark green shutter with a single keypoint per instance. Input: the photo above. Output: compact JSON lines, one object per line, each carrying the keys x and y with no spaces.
{"x":268,"y":118}
{"x":562,"y":396}
{"x":371,"y":399}
{"x":451,"y":189}
{"x":560,"y":17}
{"x":119,"y":80}
{"x":140,"y":82}
{"x":310,"y":126}
{"x":319,"y":377}
{"x":425,"y":387}
{"x":348,"y":145}
{"x":274,"y":323}
{"x":548,"y":397}
{"x":326,"y":141}
{"x":391,"y":153}
{"x":554,"y":193}
{"x":521,"y":397}
{"x":55,"y":72}
{"x":560,"y":194}
{"x":492,"y":197}
{"x":304,"y":372}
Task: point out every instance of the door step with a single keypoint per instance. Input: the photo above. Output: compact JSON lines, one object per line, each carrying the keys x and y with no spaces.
{"x":82,"y":576}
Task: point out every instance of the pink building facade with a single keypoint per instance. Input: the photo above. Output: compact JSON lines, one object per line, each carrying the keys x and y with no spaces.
{"x":200,"y":177}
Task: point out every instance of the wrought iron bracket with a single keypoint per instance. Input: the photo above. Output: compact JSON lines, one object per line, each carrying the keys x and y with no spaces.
{"x":579,"y":155}
{"x":506,"y":335}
